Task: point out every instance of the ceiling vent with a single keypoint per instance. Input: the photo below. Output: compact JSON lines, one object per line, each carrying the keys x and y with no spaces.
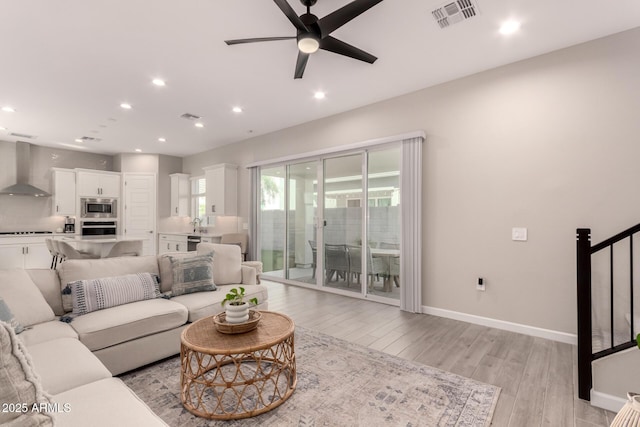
{"x":22,"y":135}
{"x":190,"y":116}
{"x":89,"y":139}
{"x":454,"y":12}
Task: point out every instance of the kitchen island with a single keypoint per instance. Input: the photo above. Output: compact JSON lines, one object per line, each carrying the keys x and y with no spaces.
{"x":98,"y":245}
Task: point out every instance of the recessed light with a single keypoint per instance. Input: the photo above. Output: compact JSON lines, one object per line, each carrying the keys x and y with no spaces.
{"x":509,"y":27}
{"x":162,"y":140}
{"x":138,"y":150}
{"x":78,"y":140}
{"x":158,"y":82}
{"x":237,"y":110}
{"x":126,"y":106}
{"x":8,"y":110}
{"x":319,"y":95}
{"x":199,"y":125}
{"x":1,"y":128}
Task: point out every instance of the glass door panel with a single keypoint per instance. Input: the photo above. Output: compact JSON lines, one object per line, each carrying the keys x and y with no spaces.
{"x":342,"y":214}
{"x":272,"y":220}
{"x":383,"y":225}
{"x":301,"y":217}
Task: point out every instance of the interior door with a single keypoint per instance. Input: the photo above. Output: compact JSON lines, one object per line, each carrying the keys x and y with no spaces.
{"x":139,"y":209}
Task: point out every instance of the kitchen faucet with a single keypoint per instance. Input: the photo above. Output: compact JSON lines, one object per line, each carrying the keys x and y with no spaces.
{"x":196,"y":221}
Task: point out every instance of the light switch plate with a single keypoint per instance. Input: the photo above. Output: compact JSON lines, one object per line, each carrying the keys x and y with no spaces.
{"x":519,"y":234}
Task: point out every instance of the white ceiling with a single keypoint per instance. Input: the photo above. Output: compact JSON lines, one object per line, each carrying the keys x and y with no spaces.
{"x":68,"y":64}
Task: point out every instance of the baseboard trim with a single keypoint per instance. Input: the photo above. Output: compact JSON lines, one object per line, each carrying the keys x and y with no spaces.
{"x":607,"y":401}
{"x":501,"y":324}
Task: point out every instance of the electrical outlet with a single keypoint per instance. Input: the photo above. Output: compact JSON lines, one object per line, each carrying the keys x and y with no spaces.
{"x":480,"y":285}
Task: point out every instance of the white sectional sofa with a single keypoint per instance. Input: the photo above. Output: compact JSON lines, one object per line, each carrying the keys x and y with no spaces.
{"x":76,"y":361}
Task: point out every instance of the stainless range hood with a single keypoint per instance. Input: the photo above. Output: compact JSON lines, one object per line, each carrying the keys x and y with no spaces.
{"x":23,"y":167}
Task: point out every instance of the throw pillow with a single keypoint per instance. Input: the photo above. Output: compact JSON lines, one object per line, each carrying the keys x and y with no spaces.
{"x":7,"y":316}
{"x":166,"y":270}
{"x":194,"y":274}
{"x":25,"y":299}
{"x":19,"y":384}
{"x":97,"y":294}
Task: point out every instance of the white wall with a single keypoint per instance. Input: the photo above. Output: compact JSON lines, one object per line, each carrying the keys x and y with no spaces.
{"x":551,"y":144}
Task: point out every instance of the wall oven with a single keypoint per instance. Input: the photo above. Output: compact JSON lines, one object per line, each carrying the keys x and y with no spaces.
{"x":98,"y":208}
{"x":99,"y":228}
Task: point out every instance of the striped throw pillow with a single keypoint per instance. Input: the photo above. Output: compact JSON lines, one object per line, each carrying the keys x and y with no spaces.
{"x":97,"y":294}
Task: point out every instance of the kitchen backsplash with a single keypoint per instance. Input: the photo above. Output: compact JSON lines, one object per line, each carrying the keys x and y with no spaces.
{"x":25,"y":213}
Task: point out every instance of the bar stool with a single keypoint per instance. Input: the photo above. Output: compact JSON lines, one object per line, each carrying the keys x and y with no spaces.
{"x":54,"y":254}
{"x":69,"y":252}
{"x":126,"y":248}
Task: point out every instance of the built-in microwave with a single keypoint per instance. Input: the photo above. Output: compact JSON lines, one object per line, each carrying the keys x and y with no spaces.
{"x":98,"y":208}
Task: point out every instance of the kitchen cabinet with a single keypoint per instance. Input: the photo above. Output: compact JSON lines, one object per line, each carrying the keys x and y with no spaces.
{"x":26,"y":253}
{"x":179,"y":194}
{"x":98,"y":184}
{"x":222,"y":189}
{"x":172,"y":243}
{"x":63,"y":201}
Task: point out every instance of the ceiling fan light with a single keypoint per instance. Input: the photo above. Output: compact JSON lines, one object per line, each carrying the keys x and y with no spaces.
{"x":308,"y":43}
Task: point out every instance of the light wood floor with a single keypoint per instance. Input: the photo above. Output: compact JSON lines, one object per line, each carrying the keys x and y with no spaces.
{"x":537,"y":376}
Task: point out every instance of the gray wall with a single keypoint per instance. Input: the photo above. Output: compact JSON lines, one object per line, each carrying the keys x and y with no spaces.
{"x":33,"y":213}
{"x":550,"y":143}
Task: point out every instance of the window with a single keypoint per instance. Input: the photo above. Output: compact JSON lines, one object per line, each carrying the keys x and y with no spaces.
{"x":198,"y":197}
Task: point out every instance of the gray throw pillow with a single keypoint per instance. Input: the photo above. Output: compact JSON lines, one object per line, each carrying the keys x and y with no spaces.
{"x":194,"y":274}
{"x":7,"y":316}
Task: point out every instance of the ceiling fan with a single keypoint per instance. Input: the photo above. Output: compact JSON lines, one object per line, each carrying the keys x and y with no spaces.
{"x":314,"y":33}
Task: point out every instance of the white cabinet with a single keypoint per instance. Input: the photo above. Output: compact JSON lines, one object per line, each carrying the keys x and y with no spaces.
{"x":222,"y":189}
{"x":98,"y":184}
{"x":179,"y":194}
{"x":63,"y":201}
{"x":29,"y":253}
{"x":171,"y":243}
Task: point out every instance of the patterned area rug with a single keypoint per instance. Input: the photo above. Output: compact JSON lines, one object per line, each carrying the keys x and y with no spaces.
{"x":340,"y":384}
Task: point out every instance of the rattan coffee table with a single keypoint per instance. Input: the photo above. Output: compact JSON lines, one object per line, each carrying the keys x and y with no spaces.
{"x":227,"y":377}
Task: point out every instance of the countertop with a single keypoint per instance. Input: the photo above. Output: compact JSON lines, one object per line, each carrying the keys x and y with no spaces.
{"x":101,"y":239}
{"x":174,"y":233}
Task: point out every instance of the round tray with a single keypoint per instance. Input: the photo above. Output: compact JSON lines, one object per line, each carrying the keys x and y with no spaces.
{"x":220,"y":320}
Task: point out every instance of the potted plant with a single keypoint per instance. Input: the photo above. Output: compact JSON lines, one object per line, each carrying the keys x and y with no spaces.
{"x":237,"y":311}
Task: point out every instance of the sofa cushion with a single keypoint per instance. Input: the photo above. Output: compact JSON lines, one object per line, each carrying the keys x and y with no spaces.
{"x":82,"y":269}
{"x":166,"y":272}
{"x":205,"y":304}
{"x":227,"y":260}
{"x":97,"y":294}
{"x":48,"y":282}
{"x":23,"y":296}
{"x":193,"y":274}
{"x":7,"y":316}
{"x":104,"y":328}
{"x":47,"y":331}
{"x":105,"y":403}
{"x":66,"y":363}
{"x":19,"y":383}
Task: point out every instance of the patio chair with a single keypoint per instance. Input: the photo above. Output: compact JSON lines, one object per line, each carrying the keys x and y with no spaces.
{"x":336,"y":262}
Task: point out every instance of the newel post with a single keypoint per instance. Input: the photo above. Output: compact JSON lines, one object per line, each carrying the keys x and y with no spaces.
{"x":584,"y":312}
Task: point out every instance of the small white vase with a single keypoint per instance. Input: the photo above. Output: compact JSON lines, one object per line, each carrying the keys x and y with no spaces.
{"x":237,"y":313}
{"x":629,"y":415}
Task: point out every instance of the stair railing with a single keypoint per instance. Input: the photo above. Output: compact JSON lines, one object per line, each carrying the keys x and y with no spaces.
{"x":585,"y":328}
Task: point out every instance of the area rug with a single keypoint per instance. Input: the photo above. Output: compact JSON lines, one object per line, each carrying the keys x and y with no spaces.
{"x":340,"y":384}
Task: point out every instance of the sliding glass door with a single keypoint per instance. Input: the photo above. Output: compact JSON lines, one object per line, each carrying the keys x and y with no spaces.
{"x":334,"y":223}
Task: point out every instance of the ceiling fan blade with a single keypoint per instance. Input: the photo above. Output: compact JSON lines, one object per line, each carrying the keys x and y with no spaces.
{"x":291,"y":14}
{"x":301,"y":64}
{"x":337,"y":46}
{"x":338,"y":18}
{"x":255,"y":40}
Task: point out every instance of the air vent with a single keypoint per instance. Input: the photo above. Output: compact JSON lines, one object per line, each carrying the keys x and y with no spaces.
{"x":89,"y":139}
{"x":454,"y":12}
{"x":190,"y":116}
{"x":22,"y":135}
